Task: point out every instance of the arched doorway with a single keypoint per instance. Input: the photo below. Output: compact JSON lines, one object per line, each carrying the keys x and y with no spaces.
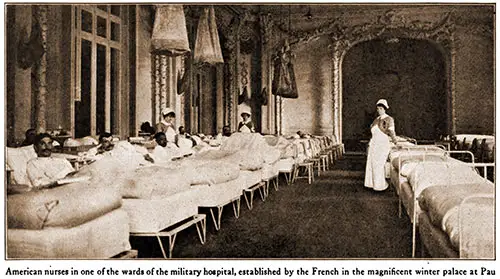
{"x":409,"y":73}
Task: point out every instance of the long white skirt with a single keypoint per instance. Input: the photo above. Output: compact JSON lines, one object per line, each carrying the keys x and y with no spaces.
{"x":378,"y":151}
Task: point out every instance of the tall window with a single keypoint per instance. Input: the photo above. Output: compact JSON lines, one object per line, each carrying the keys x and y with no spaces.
{"x":97,"y":48}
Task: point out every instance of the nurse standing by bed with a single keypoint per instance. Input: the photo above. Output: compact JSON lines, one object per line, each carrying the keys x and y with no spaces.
{"x":383,"y":132}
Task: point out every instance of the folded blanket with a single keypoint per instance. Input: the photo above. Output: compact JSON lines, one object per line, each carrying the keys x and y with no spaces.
{"x":64,"y":206}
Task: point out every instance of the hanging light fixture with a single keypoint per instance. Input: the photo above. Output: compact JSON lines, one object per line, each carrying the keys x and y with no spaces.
{"x":207,"y":46}
{"x":169,"y":31}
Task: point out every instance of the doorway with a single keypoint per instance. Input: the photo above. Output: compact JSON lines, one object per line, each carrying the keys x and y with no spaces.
{"x":409,"y":73}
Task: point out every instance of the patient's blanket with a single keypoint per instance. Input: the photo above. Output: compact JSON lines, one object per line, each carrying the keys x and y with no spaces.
{"x":64,"y":206}
{"x":251,"y":144}
{"x":286,"y":147}
{"x":153,"y":181}
{"x":476,"y":216}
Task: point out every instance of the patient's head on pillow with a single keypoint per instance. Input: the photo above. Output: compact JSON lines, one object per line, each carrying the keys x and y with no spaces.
{"x":30,"y":136}
{"x":106,"y":141}
{"x":161,"y":139}
{"x":43,"y":145}
{"x":182,"y":130}
{"x":226,"y":131}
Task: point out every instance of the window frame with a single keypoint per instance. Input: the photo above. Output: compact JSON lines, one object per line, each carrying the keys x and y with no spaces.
{"x":78,"y":35}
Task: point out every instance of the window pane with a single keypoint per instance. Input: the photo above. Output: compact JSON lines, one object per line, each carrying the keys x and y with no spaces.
{"x":82,"y":108}
{"x":115,"y":9}
{"x":115,"y":89}
{"x":86,"y":21}
{"x":101,"y":26}
{"x":115,"y":32}
{"x":101,"y":89}
{"x":103,"y":7}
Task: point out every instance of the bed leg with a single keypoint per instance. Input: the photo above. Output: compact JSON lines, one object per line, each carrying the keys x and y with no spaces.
{"x":275,"y":183}
{"x":288,"y":177}
{"x":161,"y":246}
{"x":236,"y":208}
{"x":171,"y":244}
{"x":414,"y":238}
{"x":311,"y":174}
{"x":249,"y":203}
{"x":295,"y":173}
{"x":399,"y":207}
{"x":262,"y":191}
{"x":219,"y":214}
{"x":201,"y":227}
{"x":266,"y":189}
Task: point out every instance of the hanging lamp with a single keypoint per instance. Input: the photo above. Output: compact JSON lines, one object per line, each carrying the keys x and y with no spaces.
{"x":207,"y":46}
{"x":169,"y":31}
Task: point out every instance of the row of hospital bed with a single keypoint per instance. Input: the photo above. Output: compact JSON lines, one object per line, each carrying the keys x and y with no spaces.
{"x":449,"y":201}
{"x":126,"y":196}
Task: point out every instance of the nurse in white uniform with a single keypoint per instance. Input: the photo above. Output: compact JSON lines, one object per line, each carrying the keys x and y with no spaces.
{"x":166,"y":125}
{"x":383,"y":132}
{"x":246,"y":126}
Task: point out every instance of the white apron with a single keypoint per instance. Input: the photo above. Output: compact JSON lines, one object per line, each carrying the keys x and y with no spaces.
{"x":244,"y":129}
{"x":378,"y":151}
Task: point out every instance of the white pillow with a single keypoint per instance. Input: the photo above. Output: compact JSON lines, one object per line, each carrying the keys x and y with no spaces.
{"x":17,"y":159}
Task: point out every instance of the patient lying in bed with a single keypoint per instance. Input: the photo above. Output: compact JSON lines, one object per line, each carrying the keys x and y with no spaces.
{"x":45,"y":171}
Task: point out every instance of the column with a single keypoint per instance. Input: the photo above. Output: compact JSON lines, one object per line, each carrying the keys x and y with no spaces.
{"x":336,"y":88}
{"x":41,"y":71}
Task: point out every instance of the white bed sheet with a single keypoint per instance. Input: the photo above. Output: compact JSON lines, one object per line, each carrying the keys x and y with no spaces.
{"x":220,"y":194}
{"x":285,"y":165}
{"x":250,"y":178}
{"x":270,"y":170}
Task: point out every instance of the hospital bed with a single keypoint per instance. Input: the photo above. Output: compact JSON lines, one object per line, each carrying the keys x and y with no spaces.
{"x":219,"y":180}
{"x":72,"y":221}
{"x":415,"y":168}
{"x":458,"y":221}
{"x":161,"y":203}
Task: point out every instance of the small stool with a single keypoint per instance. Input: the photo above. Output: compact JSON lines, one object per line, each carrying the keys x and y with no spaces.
{"x":308,"y":168}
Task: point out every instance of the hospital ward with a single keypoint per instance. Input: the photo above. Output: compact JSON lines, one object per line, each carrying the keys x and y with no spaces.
{"x":249,"y":131}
